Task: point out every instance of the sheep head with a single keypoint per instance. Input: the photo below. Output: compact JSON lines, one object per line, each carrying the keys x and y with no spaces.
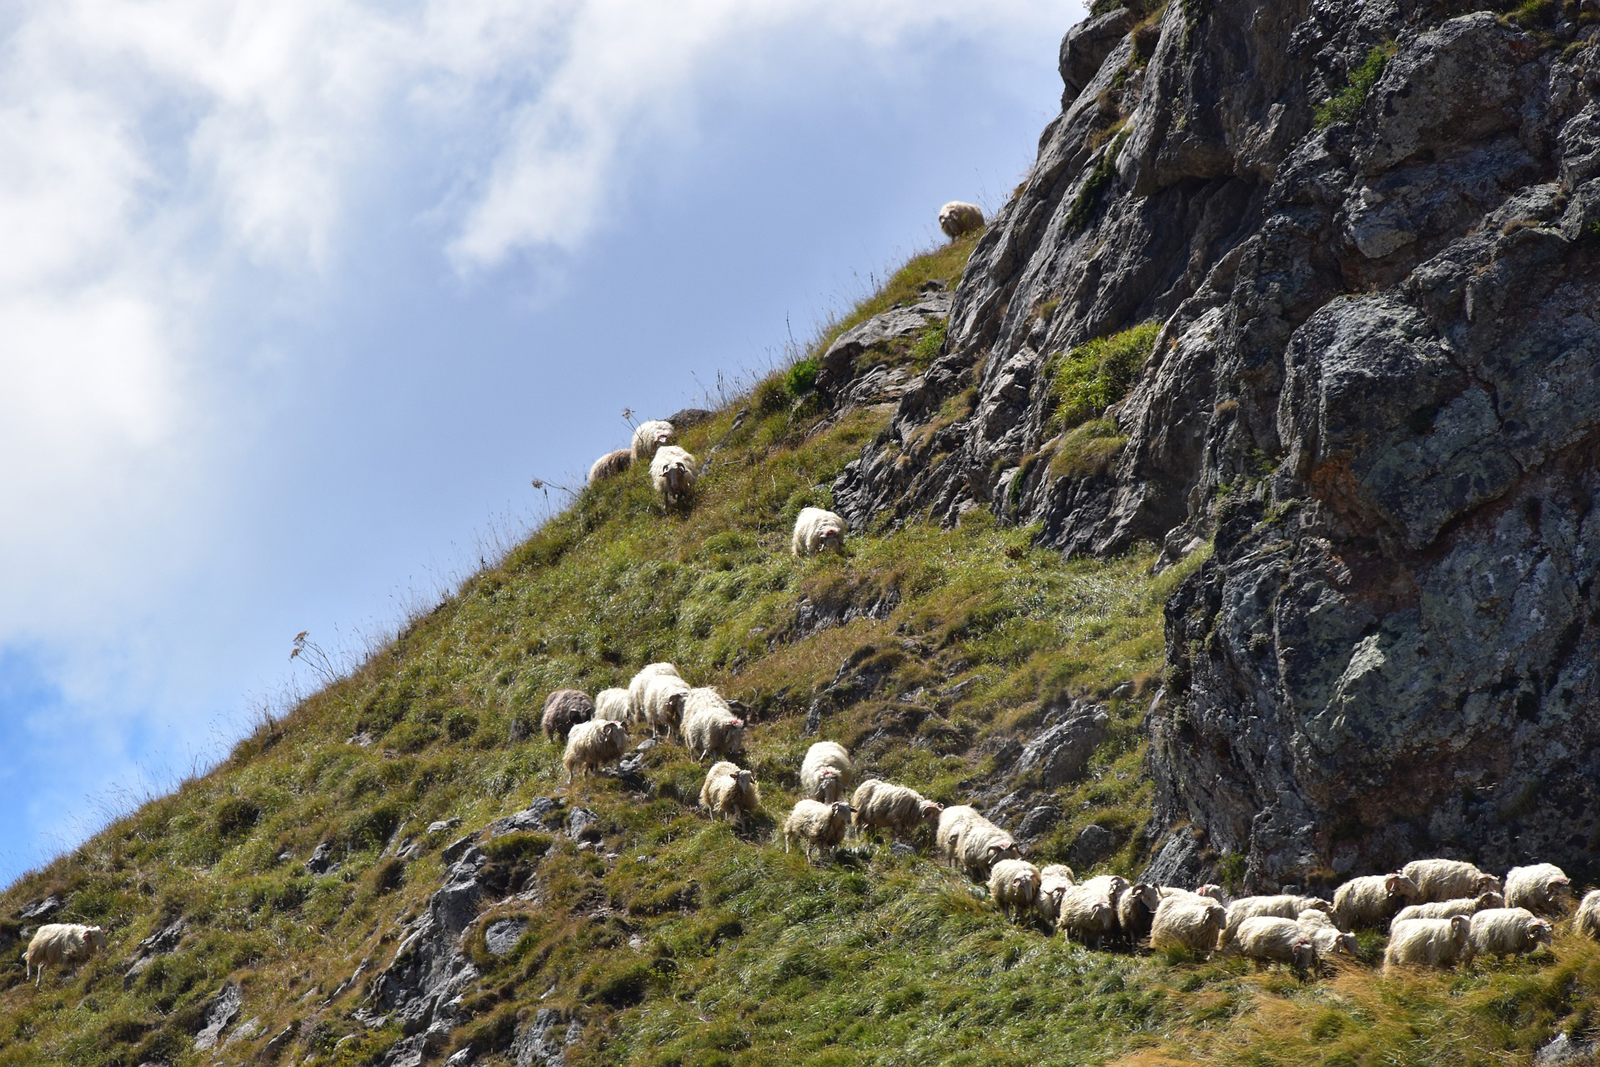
{"x":1398,"y":885}
{"x":1025,"y":885}
{"x":1118,"y":883}
{"x":1212,"y":890}
{"x":1149,"y":895}
{"x":733,"y":736}
{"x":1318,"y":904}
{"x":1559,"y":889}
{"x":96,"y":936}
{"x":1490,"y":899}
{"x":830,"y":536}
{"x":1001,"y":849}
{"x":1484,"y":883}
{"x":1304,"y":954}
{"x":1460,"y":927}
{"x":1100,"y":911}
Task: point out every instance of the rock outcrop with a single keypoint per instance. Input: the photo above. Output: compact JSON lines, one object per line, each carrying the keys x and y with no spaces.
{"x":1370,"y":235}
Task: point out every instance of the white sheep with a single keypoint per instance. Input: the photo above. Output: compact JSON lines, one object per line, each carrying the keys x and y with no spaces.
{"x":1054,"y":881}
{"x":1014,"y":885}
{"x":664,"y":698}
{"x":815,"y":531}
{"x":1188,"y":922}
{"x":611,"y":704}
{"x":710,"y":728}
{"x":1325,"y":934}
{"x":901,"y":810}
{"x":1440,"y":879}
{"x":610,"y":465}
{"x":1372,"y":898}
{"x":1542,"y":888}
{"x":730,"y":790}
{"x":818,"y":825}
{"x":1428,"y":943}
{"x":1269,"y":939}
{"x":1281,"y":906}
{"x":965,"y":837}
{"x":827,"y":773}
{"x":1444,"y":909}
{"x":593,"y":744}
{"x":636,"y":689}
{"x":672,"y":473}
{"x":1587,"y":919}
{"x":1085,"y":915}
{"x":649,"y":437}
{"x":1508,"y":932}
{"x":958,"y":217}
{"x":563,"y":710}
{"x":61,"y":945}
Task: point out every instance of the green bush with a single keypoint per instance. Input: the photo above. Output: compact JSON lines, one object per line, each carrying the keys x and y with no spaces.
{"x":1099,"y":373}
{"x":1345,"y":105}
{"x":801,"y":379}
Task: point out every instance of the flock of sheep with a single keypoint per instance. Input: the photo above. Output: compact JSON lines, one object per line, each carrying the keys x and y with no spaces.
{"x":1438,"y":911}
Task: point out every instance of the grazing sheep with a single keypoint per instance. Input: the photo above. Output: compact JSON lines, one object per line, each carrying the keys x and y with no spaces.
{"x":1428,"y":942}
{"x":957,"y":218}
{"x":664,"y":698}
{"x":826,"y":774}
{"x":1325,"y":934}
{"x":1054,"y":881}
{"x":564,"y":709}
{"x":1085,"y":915}
{"x":593,"y":744}
{"x":710,"y":728}
{"x":672,"y":473}
{"x":1508,"y":932}
{"x":815,"y":531}
{"x":1014,"y":885}
{"x":1269,"y":939}
{"x":649,"y":437}
{"x":610,"y":465}
{"x":1438,"y":879}
{"x":1543,"y":889}
{"x":1136,"y":909}
{"x":1281,"y":906}
{"x":611,"y":704}
{"x":880,"y":804}
{"x":818,"y":825}
{"x":61,"y":945}
{"x":1587,"y":919}
{"x":1372,"y":898}
{"x":636,"y":688}
{"x":1444,"y":909}
{"x":965,"y":837}
{"x":730,"y":790}
{"x":1188,"y":922}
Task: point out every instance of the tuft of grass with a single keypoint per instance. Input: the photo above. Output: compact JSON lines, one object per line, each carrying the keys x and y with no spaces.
{"x":1088,"y":450}
{"x":1345,"y":105}
{"x":1098,"y":373}
{"x":1087,"y":202}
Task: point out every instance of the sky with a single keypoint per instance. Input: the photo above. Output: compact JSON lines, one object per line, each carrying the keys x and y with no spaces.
{"x":298,"y":298}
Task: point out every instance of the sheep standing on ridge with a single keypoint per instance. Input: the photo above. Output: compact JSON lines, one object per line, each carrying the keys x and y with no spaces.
{"x":564,"y":709}
{"x":965,"y":837}
{"x":1507,"y":932}
{"x":1281,"y":906}
{"x":1372,"y":899}
{"x":880,"y":804}
{"x":1325,"y":934}
{"x":1439,"y":879}
{"x":636,"y":687}
{"x":827,"y":772}
{"x":710,"y":728}
{"x":1014,"y":886}
{"x":1428,"y":943}
{"x":610,"y":465}
{"x":1445,"y":909}
{"x":650,"y":437}
{"x":1188,"y":922}
{"x":818,"y":825}
{"x":1085,"y":915}
{"x":1543,"y":889}
{"x":672,"y":473}
{"x":592,"y":745}
{"x":730,"y":790}
{"x":1054,"y":881}
{"x":1136,"y":910}
{"x":958,"y":217}
{"x":816,"y":531}
{"x":611,"y":704}
{"x":664,"y":699}
{"x":61,"y":945}
{"x":1269,"y":939}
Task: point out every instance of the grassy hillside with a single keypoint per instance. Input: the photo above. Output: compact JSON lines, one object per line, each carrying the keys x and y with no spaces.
{"x":675,"y":940}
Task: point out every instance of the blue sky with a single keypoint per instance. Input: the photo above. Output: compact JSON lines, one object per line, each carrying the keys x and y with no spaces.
{"x":296,"y":298}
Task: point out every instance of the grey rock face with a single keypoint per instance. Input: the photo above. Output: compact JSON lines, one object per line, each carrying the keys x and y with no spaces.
{"x":40,"y":909}
{"x":157,"y":944}
{"x":1376,"y":385}
{"x":537,"y":1043}
{"x":846,"y":361}
{"x":502,"y":935}
{"x":1060,"y":753}
{"x":222,"y":1010}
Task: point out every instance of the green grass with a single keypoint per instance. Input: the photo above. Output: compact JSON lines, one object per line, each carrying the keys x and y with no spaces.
{"x":1087,"y":203}
{"x":1345,"y":105}
{"x":1098,"y":373}
{"x":1088,"y":450}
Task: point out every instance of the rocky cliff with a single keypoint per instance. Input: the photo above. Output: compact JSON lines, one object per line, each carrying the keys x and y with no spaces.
{"x":1369,"y":233}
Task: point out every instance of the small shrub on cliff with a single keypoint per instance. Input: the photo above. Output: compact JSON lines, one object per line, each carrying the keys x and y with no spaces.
{"x":1099,"y":373}
{"x":1345,"y":105}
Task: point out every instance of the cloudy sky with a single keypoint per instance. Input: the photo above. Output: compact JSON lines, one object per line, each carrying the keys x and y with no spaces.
{"x":296,"y":297}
